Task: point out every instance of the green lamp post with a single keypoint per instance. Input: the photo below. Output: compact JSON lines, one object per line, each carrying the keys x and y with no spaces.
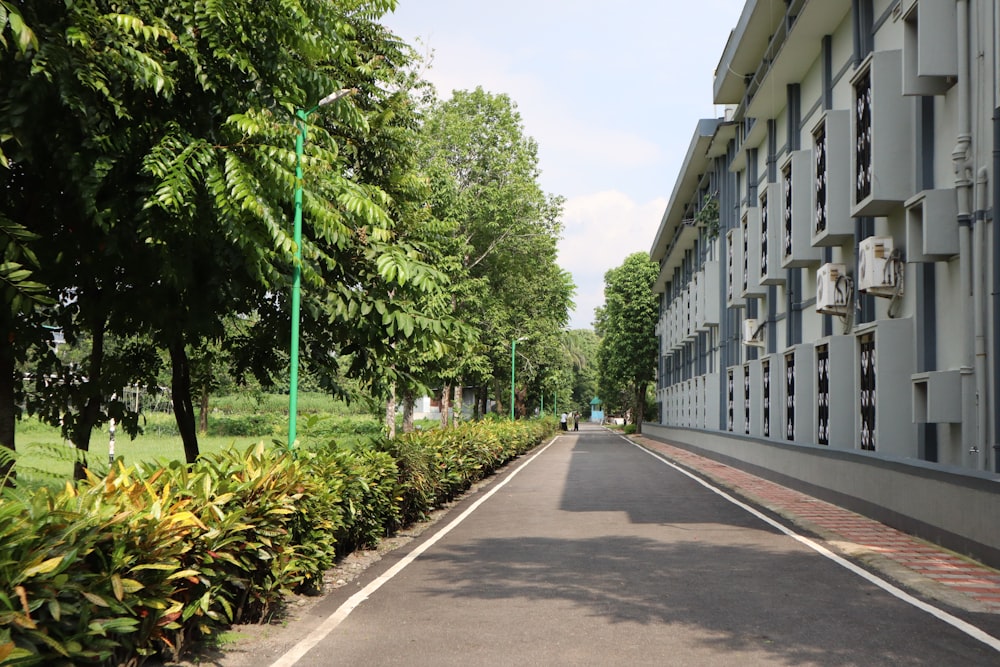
{"x":300,"y":140}
{"x":513,"y":347}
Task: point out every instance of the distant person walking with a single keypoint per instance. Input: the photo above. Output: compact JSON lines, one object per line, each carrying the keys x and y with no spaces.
{"x":562,"y":421}
{"x":576,"y":421}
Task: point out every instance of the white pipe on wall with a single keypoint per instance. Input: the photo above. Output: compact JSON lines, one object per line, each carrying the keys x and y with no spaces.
{"x":979,"y":319}
{"x":961,"y":157}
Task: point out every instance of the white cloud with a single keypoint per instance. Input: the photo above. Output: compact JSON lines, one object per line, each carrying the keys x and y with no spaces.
{"x":611,"y":98}
{"x":599,"y":231}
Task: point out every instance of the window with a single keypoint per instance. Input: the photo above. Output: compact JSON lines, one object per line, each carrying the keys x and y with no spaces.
{"x":863,"y":149}
{"x":867,"y":345}
{"x":766,"y":389}
{"x":823,"y":394}
{"x":730,"y":400}
{"x":819,"y":154}
{"x":746,"y":400}
{"x":763,"y":235}
{"x":790,"y":396}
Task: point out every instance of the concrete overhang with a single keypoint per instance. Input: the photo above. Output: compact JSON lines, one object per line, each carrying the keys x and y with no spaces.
{"x":796,"y":54}
{"x":745,"y":47}
{"x":672,"y":224}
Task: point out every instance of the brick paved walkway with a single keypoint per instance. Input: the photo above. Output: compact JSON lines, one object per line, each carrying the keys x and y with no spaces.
{"x":910,"y":560}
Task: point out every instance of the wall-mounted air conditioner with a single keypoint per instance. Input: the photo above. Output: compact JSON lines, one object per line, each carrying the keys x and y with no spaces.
{"x":833,"y":290}
{"x":753,"y":332}
{"x":879,"y":267}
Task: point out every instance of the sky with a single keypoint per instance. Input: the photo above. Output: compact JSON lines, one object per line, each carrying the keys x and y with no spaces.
{"x":610,"y":91}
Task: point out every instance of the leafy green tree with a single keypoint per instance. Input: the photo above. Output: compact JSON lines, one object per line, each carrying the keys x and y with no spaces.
{"x":153,"y":152}
{"x":483,"y":173}
{"x":582,"y":347}
{"x":627,"y":326}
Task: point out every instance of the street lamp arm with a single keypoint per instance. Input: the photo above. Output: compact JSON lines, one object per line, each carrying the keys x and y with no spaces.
{"x":333,"y":97}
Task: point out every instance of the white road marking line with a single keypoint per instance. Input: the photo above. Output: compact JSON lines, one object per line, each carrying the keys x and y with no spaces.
{"x":940,"y":614}
{"x":336,"y":618}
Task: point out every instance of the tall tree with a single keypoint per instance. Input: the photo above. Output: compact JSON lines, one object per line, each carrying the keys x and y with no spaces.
{"x":627,"y":326}
{"x":153,"y":153}
{"x":483,"y":172}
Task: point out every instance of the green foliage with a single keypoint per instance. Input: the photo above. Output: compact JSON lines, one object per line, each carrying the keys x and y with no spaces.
{"x":148,"y":559}
{"x":165,"y":130}
{"x":627,"y":324}
{"x":708,"y":215}
{"x":500,"y":247}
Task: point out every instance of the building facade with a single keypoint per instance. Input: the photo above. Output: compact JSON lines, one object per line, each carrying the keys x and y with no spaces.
{"x":827,"y":255}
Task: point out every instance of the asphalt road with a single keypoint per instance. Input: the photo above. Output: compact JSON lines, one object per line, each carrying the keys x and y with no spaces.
{"x":595,"y":552}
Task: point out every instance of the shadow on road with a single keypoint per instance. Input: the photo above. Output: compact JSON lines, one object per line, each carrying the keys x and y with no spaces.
{"x":734,"y":598}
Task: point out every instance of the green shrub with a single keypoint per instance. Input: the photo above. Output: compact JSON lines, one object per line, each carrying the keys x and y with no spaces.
{"x":255,"y":425}
{"x":151,"y":558}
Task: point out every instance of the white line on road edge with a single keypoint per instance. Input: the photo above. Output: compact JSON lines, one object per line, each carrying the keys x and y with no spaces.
{"x":940,"y":614}
{"x":337,"y":617}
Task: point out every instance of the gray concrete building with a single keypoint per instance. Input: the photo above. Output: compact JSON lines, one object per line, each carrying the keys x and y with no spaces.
{"x":829,"y":298}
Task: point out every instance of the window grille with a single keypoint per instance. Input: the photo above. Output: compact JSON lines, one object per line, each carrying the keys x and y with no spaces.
{"x":766,"y":389}
{"x":823,"y":394}
{"x":763,"y":235}
{"x":819,"y":139}
{"x":863,"y":149}
{"x":867,"y":356}
{"x":746,"y":400}
{"x":786,"y":178}
{"x":729,"y":269}
{"x":730,"y":401}
{"x":746,"y":254}
{"x":790,"y":396}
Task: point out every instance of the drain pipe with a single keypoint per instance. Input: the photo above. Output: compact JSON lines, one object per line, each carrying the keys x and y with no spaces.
{"x":996,"y":236}
{"x":979,"y":318}
{"x":961,"y":157}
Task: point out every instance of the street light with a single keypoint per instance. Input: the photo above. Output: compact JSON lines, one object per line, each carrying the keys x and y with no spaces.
{"x":301,"y":115}
{"x":513,"y":347}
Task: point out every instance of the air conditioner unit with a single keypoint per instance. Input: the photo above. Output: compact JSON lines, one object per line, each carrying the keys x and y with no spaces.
{"x":833,"y":290}
{"x":878,"y":267}
{"x":753,"y":332}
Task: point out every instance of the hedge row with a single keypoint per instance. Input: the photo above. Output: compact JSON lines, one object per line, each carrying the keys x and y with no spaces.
{"x":145,"y":561}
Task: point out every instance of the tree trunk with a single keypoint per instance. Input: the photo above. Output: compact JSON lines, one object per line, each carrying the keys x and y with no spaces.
{"x":456,"y":404}
{"x":390,"y":413}
{"x":498,"y":397}
{"x":180,"y":388}
{"x":203,"y":411}
{"x":408,"y":402}
{"x":640,"y":408}
{"x":445,"y":404}
{"x":7,"y":408}
{"x":90,"y":413}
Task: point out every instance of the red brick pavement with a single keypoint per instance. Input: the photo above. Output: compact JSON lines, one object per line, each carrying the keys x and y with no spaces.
{"x":958,"y":574}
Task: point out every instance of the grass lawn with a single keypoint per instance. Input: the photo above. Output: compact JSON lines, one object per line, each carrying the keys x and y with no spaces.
{"x":44,"y":458}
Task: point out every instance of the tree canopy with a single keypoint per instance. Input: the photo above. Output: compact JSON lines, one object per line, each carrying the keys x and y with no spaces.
{"x":150,"y":156}
{"x":147,"y":165}
{"x":483,"y":174}
{"x":627,"y":326}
